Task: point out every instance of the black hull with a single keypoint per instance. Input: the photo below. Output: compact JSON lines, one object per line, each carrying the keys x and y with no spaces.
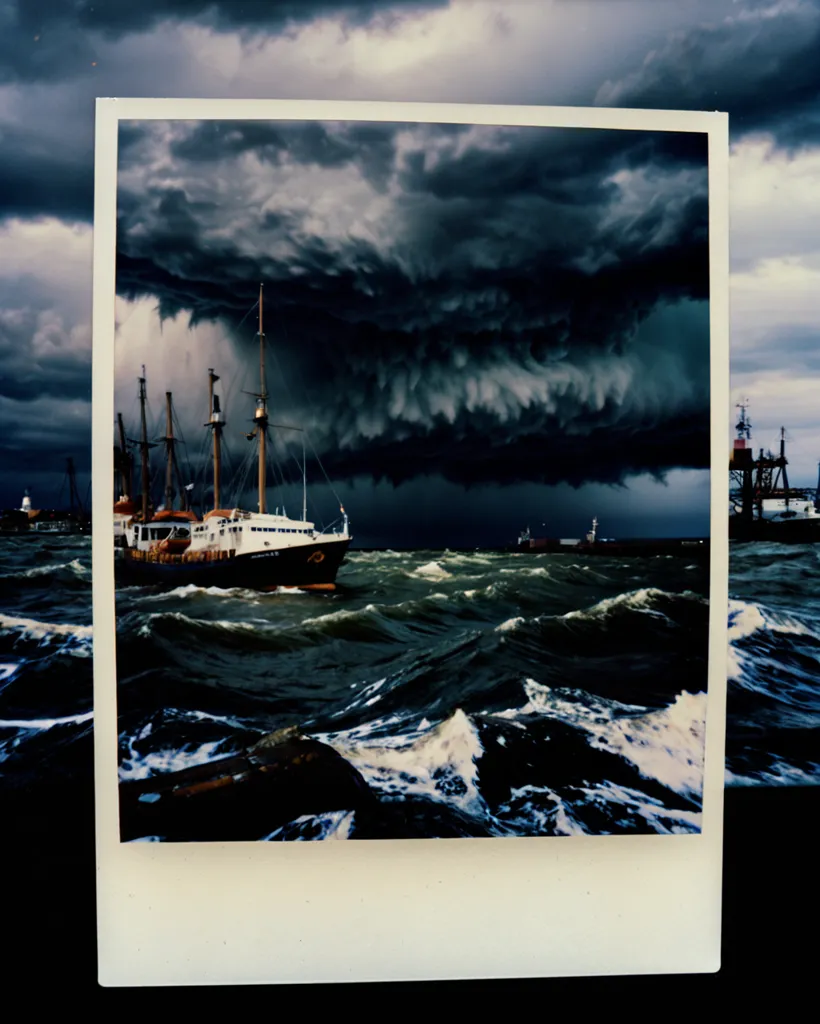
{"x":309,"y":565}
{"x":620,"y":549}
{"x":794,"y":531}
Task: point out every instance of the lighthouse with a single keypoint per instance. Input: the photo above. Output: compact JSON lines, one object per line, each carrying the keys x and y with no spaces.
{"x":26,"y":506}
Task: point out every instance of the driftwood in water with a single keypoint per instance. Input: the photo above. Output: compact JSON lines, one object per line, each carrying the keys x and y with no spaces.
{"x":243,"y":797}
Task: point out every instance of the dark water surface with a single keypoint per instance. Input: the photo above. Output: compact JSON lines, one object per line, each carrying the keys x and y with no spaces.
{"x":496,"y":694}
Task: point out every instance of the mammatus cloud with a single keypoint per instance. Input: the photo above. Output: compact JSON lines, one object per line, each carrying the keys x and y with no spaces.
{"x":456,"y":301}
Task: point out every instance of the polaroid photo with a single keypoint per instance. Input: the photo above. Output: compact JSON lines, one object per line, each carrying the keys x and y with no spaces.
{"x":414,"y":532}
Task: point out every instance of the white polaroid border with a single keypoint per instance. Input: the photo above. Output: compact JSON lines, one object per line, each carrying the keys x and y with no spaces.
{"x":255,"y":913}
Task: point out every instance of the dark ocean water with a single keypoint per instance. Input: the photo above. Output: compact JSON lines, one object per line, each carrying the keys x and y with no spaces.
{"x":773,"y":727}
{"x":486,"y":693}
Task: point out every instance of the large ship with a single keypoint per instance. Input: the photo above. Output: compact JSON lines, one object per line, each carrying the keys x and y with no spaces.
{"x":226,"y":547}
{"x":762,"y":504}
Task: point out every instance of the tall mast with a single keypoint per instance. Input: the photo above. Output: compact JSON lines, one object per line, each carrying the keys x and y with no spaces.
{"x":304,"y":481}
{"x":125,"y":462}
{"x":261,"y":410}
{"x":216,"y":423}
{"x":73,"y":494}
{"x":169,"y":447}
{"x":144,"y":449}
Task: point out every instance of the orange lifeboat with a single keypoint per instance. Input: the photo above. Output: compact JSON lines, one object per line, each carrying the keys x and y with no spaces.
{"x":219,"y":513}
{"x":174,"y":545}
{"x":169,"y":515}
{"x":125,"y":508}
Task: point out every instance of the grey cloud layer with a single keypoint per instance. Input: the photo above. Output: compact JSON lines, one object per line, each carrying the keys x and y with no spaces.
{"x":761,"y":63}
{"x":54,"y":39}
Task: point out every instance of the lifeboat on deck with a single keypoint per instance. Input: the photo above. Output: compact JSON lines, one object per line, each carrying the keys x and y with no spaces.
{"x":174,"y":545}
{"x":219,"y":513}
{"x":171,"y":516}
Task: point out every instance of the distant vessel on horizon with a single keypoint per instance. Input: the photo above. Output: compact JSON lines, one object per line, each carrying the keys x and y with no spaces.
{"x":226,"y":547}
{"x":592,"y":544}
{"x":36,"y":521}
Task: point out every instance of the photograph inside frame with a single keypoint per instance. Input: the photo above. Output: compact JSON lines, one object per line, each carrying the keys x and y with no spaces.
{"x":412,"y":480}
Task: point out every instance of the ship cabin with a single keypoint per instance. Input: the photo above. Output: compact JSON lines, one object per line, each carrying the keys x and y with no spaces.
{"x":232,"y":531}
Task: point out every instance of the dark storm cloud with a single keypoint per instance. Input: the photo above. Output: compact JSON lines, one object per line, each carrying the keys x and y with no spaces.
{"x":486,"y":305}
{"x":761,"y":63}
{"x":54,"y":39}
{"x":38,"y":178}
{"x":368,"y":147}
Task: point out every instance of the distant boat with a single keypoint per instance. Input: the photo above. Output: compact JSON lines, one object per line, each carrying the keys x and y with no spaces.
{"x":226,"y":547}
{"x":35,"y":522}
{"x":592,"y":544}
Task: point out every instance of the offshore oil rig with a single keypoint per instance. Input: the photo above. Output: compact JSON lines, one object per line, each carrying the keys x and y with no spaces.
{"x":762,"y":505}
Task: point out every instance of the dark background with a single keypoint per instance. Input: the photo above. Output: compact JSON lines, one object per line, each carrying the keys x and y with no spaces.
{"x":57,"y":56}
{"x":769,"y":912}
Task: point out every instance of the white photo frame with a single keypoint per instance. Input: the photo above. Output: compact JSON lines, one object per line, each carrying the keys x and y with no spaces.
{"x":210,"y":914}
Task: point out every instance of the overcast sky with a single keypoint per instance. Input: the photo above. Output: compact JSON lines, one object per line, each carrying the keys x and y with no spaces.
{"x":757,"y":60}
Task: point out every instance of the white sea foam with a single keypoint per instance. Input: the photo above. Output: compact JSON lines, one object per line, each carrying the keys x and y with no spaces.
{"x":510,"y":624}
{"x":537,"y":809}
{"x":438,"y":763}
{"x":75,"y":640}
{"x":664,"y":820}
{"x":7,"y":671}
{"x":42,"y":724}
{"x":779,"y":774}
{"x":143,"y":766}
{"x":74,"y":566}
{"x":746,"y":619}
{"x":666,"y":745}
{"x":635,"y":600}
{"x":321,"y":827}
{"x":432,"y":571}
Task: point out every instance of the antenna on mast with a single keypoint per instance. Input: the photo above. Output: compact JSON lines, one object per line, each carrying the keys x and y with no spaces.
{"x":217,"y":424}
{"x":144,"y":449}
{"x":744,"y":424}
{"x":262,"y":411}
{"x":126,"y":469}
{"x":260,"y":417}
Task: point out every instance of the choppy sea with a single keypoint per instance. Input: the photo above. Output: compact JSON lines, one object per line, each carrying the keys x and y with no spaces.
{"x":488,"y":693}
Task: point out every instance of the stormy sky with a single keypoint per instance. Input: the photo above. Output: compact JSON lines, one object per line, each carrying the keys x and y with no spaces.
{"x":755,"y":59}
{"x":461,"y":308}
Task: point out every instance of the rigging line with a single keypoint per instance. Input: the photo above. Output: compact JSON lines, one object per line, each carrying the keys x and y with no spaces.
{"x":321,"y":466}
{"x":230,"y":389}
{"x":281,"y":377}
{"x":274,"y":464}
{"x":242,"y":477}
{"x":305,"y":392}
